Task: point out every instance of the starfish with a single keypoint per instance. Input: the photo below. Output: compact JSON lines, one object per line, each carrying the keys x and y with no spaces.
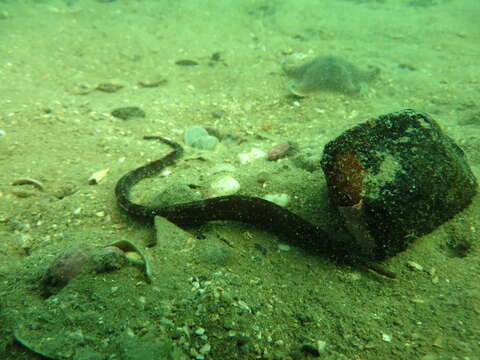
{"x":329,"y":73}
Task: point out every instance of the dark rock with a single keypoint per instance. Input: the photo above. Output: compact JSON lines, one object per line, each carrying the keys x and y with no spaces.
{"x":395,"y":178}
{"x":109,"y":87}
{"x":128,"y":112}
{"x":186,"y":62}
{"x":65,"y":267}
{"x":310,"y":349}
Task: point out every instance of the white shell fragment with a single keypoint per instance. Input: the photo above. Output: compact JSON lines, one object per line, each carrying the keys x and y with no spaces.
{"x":98,"y":176}
{"x":225,"y":185}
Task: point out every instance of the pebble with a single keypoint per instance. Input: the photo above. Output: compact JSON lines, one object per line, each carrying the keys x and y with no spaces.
{"x":128,"y":112}
{"x":386,"y":337}
{"x":200,"y":331}
{"x":225,"y":185}
{"x":278,"y":151}
{"x":109,"y":87}
{"x":152,"y":82}
{"x":65,"y":267}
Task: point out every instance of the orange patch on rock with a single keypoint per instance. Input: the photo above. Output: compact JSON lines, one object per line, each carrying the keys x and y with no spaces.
{"x":345,"y":179}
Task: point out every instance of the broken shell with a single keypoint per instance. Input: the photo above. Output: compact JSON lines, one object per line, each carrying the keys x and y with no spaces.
{"x":26,"y":181}
{"x":127,"y":246}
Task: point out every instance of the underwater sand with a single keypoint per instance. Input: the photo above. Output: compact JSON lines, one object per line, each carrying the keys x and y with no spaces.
{"x":254,"y":296}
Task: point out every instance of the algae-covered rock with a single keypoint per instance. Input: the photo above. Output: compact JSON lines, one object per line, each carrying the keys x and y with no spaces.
{"x":198,"y":137}
{"x":395,"y":178}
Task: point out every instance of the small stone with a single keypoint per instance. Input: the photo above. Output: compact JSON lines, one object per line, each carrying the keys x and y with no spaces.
{"x":65,"y":267}
{"x":200,"y":331}
{"x":152,"y":82}
{"x":386,"y":337}
{"x":109,"y":87}
{"x":278,"y":151}
{"x":128,"y":112}
{"x":225,"y":185}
